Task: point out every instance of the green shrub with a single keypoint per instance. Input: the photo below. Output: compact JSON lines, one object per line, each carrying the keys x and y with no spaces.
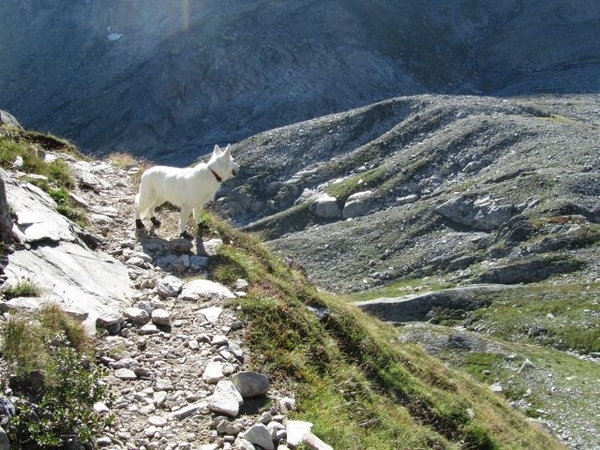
{"x":54,"y":380}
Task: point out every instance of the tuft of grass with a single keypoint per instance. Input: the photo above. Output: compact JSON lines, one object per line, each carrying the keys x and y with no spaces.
{"x":24,"y":287}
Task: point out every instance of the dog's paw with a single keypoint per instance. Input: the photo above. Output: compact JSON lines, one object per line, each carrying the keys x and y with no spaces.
{"x":155,"y":222}
{"x":139,"y":224}
{"x":187,"y":235}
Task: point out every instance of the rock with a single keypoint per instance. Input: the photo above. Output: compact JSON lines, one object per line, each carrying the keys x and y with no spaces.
{"x":296,"y":429}
{"x":259,"y":435}
{"x":169,"y":286}
{"x":64,"y":268}
{"x":196,"y":290}
{"x":250,"y":384}
{"x":526,"y":366}
{"x":314,"y":443}
{"x":161,"y":317}
{"x":212,"y":313}
{"x":8,"y":119}
{"x":213,"y":372}
{"x":125,"y":374}
{"x":226,"y":399}
{"x":136,"y":315}
{"x":163,"y":384}
{"x":358,"y":204}
{"x":483,"y":214}
{"x":189,"y":410}
{"x":325,"y":206}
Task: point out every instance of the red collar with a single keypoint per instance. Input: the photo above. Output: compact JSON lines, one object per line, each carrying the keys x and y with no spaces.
{"x":219,"y":179}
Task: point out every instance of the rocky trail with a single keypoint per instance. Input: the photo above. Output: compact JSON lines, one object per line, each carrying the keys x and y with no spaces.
{"x":178,"y":366}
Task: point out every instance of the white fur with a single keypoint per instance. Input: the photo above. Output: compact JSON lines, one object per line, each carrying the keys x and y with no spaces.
{"x":187,"y":188}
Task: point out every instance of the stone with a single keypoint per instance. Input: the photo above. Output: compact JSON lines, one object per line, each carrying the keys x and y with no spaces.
{"x":212,"y":313}
{"x":169,"y":286}
{"x":213,"y":372}
{"x":200,"y":289}
{"x":125,"y":374}
{"x":161,"y":317}
{"x":226,"y":399}
{"x":190,"y":409}
{"x":137,"y":315}
{"x":358,"y":204}
{"x":314,"y":443}
{"x":296,"y":429}
{"x":250,"y":384}
{"x":258,"y":434}
{"x":325,"y":206}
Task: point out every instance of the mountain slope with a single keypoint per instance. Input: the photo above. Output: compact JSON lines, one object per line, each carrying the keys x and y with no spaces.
{"x":458,"y":186}
{"x":168,"y":80}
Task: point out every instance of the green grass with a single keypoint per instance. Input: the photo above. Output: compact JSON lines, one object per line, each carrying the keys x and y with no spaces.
{"x":22,"y":288}
{"x":354,"y":380}
{"x":53,"y":378}
{"x":58,"y":180}
{"x":560,"y":316}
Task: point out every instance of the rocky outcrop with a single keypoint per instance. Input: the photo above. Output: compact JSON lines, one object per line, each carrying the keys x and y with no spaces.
{"x":55,"y":257}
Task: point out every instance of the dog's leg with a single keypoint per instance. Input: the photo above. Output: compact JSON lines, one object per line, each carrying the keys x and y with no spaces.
{"x":202,"y":227}
{"x":184,"y":216}
{"x":155,"y":222}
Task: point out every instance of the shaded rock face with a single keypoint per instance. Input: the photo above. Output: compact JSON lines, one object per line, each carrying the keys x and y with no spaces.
{"x":167,"y":80}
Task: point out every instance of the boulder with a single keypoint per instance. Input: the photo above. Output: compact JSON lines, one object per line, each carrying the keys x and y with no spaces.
{"x":358,"y":204}
{"x":325,"y":207}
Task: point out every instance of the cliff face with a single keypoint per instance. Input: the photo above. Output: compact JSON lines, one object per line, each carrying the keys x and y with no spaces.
{"x":166,"y":80}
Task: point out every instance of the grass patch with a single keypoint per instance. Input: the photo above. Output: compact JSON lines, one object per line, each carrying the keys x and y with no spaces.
{"x":563,"y":316}
{"x":52,"y":176}
{"x":360,"y":387}
{"x":24,"y":287}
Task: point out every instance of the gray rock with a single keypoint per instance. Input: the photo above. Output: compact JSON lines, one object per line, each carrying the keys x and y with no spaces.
{"x":137,"y":315}
{"x":258,"y":434}
{"x":161,"y":317}
{"x":196,"y":290}
{"x":325,"y":206}
{"x":250,"y":384}
{"x":358,"y":204}
{"x":226,"y":399}
{"x":296,"y":430}
{"x":213,"y":372}
{"x":125,"y":374}
{"x":169,"y":286}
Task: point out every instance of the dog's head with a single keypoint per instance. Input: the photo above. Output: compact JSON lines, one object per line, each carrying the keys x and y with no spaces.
{"x":227,"y":166}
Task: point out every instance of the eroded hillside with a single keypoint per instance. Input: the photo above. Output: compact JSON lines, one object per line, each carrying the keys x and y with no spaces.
{"x":474,"y":189}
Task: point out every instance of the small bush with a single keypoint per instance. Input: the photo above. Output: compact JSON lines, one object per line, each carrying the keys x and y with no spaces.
{"x":54,"y":379}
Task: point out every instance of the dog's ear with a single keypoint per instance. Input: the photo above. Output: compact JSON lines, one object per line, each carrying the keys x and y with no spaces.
{"x":227,"y":150}
{"x":217,"y":150}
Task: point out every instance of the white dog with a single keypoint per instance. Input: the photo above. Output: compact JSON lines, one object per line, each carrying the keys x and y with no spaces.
{"x":189,"y":188}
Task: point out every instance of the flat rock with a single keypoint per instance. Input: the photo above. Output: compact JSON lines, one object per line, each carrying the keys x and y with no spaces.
{"x":204,"y":290}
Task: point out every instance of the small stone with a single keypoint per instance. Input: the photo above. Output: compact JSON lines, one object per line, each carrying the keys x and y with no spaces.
{"x":161,"y":317}
{"x":213,"y":373}
{"x":149,"y":328}
{"x":259,"y":435}
{"x":226,"y":399}
{"x":250,"y":384}
{"x":125,"y":374}
{"x":158,"y":421}
{"x":164,"y":384}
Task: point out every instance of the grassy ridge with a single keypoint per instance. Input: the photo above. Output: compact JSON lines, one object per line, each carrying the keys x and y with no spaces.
{"x":356,"y":382}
